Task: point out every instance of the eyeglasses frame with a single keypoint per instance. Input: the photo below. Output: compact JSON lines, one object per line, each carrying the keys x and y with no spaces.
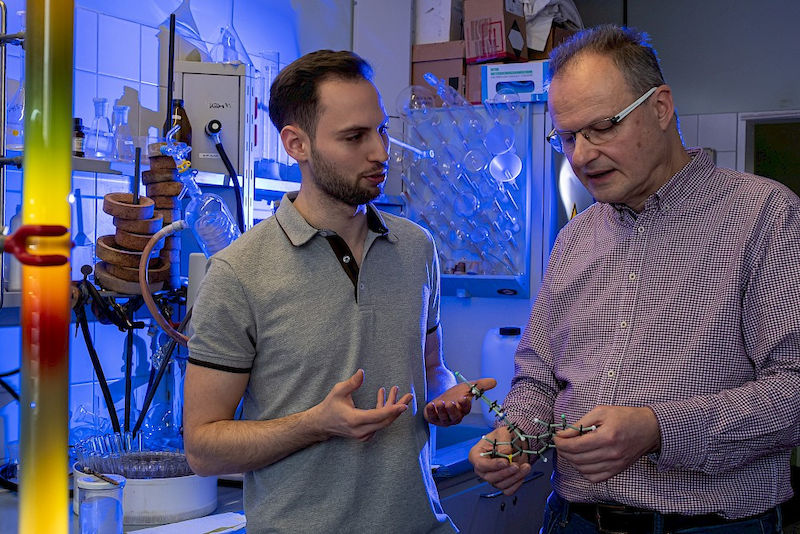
{"x":615,"y":120}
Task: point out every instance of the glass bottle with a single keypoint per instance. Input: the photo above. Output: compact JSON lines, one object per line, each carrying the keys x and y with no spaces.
{"x":99,"y":144}
{"x":179,"y":117}
{"x":78,"y":138}
{"x":15,"y":111}
{"x":122,"y":138}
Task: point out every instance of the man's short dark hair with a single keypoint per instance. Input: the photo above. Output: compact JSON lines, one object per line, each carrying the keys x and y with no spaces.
{"x":628,"y":48}
{"x":294,"y":97}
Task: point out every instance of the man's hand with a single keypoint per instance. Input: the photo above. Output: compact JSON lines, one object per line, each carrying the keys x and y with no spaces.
{"x":623,"y":435}
{"x":450,"y":407}
{"x":499,"y":472}
{"x":338,"y":416}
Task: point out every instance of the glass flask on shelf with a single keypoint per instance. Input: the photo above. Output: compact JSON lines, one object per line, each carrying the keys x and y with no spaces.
{"x":121,"y":134}
{"x":99,"y":140}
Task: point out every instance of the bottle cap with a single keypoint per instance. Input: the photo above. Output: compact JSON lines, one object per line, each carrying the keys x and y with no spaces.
{"x":77,"y":123}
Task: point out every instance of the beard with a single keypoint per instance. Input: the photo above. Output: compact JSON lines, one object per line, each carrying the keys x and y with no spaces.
{"x":338,"y":186}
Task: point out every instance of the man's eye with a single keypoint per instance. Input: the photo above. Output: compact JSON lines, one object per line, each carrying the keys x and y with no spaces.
{"x":602,"y":126}
{"x":567,"y":138}
{"x":354,"y":137}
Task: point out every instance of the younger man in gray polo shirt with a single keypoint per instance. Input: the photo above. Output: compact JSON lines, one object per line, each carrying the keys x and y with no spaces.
{"x":292,"y":314}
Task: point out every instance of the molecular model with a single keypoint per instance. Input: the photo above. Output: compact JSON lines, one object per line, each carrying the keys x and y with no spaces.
{"x":517,"y":443}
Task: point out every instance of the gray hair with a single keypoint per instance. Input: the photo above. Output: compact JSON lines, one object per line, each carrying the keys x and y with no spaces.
{"x":628,"y":48}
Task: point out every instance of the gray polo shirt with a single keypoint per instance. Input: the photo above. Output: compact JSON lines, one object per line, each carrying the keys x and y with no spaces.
{"x":282,"y":304}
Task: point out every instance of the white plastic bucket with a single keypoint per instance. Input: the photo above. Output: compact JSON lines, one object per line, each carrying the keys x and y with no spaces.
{"x":155,"y":501}
{"x":497,"y":361}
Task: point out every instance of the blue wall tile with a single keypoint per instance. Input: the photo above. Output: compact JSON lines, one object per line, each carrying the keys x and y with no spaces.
{"x":85,"y":40}
{"x":118,"y":48}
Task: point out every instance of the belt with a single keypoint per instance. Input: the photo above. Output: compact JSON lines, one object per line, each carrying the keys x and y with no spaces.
{"x":621,"y":519}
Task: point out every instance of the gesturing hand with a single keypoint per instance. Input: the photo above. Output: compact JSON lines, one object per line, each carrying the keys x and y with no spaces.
{"x":499,"y":472}
{"x":337,"y":415}
{"x":450,"y":407}
{"x":623,"y":435}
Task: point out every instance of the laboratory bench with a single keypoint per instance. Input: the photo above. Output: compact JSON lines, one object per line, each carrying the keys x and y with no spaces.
{"x":473,"y":505}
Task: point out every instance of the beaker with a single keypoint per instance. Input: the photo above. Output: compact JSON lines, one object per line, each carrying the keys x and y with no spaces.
{"x":99,"y":140}
{"x":100,"y":504}
{"x":122,"y":139}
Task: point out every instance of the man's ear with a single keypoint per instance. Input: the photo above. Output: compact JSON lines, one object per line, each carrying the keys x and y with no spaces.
{"x":665,"y":107}
{"x":296,"y":142}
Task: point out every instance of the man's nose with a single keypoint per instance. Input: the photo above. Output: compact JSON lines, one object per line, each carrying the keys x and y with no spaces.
{"x":583,"y":152}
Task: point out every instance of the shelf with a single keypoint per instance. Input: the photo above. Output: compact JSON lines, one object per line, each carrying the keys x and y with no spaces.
{"x":93,"y":165}
{"x":481,"y":285}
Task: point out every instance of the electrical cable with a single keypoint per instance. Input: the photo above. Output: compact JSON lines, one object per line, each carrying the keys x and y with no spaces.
{"x":214,"y":130}
{"x":236,"y":187}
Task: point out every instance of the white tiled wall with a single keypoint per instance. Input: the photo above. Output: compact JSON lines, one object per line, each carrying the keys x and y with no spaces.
{"x":717,"y":131}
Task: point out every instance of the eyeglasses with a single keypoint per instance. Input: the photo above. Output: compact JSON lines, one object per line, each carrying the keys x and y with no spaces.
{"x":596,"y":133}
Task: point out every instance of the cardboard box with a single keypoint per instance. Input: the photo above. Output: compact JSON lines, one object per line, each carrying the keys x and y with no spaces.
{"x":473,"y":91}
{"x":558,"y":34}
{"x":444,"y":60}
{"x":436,"y":21}
{"x":494,"y":30}
{"x":525,"y":79}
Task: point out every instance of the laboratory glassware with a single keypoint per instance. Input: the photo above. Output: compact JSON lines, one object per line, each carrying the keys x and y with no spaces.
{"x":100,"y":138}
{"x":100,"y":504}
{"x":122,"y":139}
{"x":229,"y":47}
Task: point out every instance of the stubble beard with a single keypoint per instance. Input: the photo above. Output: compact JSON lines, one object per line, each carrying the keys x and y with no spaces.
{"x":336,"y":185}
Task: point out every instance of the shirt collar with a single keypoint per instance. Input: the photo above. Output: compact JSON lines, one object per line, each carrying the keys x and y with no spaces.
{"x":300,"y":232}
{"x":675,"y":190}
{"x":684,"y":182}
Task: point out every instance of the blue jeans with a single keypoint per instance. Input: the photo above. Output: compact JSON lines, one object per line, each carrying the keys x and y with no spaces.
{"x":558,"y":520}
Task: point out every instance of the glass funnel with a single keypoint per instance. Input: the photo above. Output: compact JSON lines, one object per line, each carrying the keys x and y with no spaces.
{"x":229,"y":48}
{"x":186,"y":29}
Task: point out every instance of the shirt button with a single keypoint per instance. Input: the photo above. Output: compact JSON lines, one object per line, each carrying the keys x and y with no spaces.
{"x":611,"y":373}
{"x":624,"y":324}
{"x":361,"y":286}
{"x":641,"y":229}
{"x":632,"y":277}
{"x":346,"y":259}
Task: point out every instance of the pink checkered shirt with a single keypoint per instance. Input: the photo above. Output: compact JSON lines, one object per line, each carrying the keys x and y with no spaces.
{"x":691,"y":307}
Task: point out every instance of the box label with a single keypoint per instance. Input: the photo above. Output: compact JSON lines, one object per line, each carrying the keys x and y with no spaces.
{"x":526,"y":80}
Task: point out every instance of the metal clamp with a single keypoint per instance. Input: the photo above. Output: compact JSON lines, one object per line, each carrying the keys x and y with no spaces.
{"x":17,"y":244}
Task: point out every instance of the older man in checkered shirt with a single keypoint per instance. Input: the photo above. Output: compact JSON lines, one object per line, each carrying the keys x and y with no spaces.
{"x":669,"y":317}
